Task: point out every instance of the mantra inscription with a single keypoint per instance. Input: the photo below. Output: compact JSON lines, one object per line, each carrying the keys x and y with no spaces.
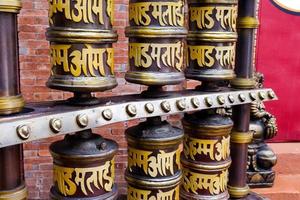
{"x":170,"y":55}
{"x":165,"y":13}
{"x":215,"y":149}
{"x":82,"y":10}
{"x":86,"y":62}
{"x":214,"y":183}
{"x":159,"y":164}
{"x":208,"y":56}
{"x":138,"y":194}
{"x":69,"y":180}
{"x":206,"y":17}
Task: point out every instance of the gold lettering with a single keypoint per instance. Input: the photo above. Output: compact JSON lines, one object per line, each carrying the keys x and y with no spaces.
{"x":225,"y":55}
{"x":202,"y":16}
{"x":138,"y":51}
{"x":215,"y":183}
{"x":59,"y":6}
{"x":171,"y":55}
{"x":139,"y":194}
{"x":63,"y":178}
{"x":84,"y":10}
{"x":59,"y":56}
{"x":227,"y":16}
{"x":153,"y":165}
{"x":138,"y":13}
{"x":110,"y":10}
{"x":203,"y":55}
{"x":171,"y":15}
{"x":166,"y":13}
{"x":213,"y":148}
{"x":85,"y":178}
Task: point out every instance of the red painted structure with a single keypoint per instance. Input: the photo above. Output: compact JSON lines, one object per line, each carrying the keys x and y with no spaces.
{"x":278,"y":58}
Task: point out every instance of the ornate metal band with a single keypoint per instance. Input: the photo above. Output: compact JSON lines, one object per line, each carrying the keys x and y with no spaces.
{"x":152,"y":78}
{"x":159,"y":183}
{"x":209,"y":36}
{"x":247,"y":22}
{"x":19,"y":193}
{"x":243,"y":83}
{"x":81,"y":35}
{"x":241,"y":137}
{"x":238,"y":192}
{"x":12,"y":6}
{"x":153,"y":32}
{"x":11,"y":104}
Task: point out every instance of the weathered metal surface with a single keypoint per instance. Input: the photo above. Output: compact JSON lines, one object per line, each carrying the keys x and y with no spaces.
{"x":81,"y":38}
{"x":83,"y":167}
{"x":154,"y":169}
{"x":211,"y":40}
{"x":156,"y":42}
{"x":206,"y":156}
{"x":10,"y":99}
{"x":113,"y":109}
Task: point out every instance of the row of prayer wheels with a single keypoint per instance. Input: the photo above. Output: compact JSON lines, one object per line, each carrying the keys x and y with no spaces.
{"x":160,"y":48}
{"x":81,"y":38}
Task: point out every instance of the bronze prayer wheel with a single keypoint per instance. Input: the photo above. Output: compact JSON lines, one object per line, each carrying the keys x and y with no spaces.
{"x":211,"y":40}
{"x":156,"y":42}
{"x":11,"y":100}
{"x":206,"y":156}
{"x":12,"y":183}
{"x":153,"y":170}
{"x":84,"y":167}
{"x":81,"y":38}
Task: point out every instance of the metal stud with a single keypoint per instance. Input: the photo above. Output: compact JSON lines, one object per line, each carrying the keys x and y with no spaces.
{"x":208,"y":101}
{"x":82,"y":120}
{"x":271,"y":94}
{"x":195,"y":102}
{"x":253,"y":96}
{"x":221,"y":100}
{"x":262,"y":95}
{"x":149,"y":107}
{"x":23,"y":132}
{"x":131,"y":110}
{"x":165,"y":106}
{"x":107,"y":114}
{"x":242,"y":97}
{"x":181,"y":105}
{"x":55,"y":125}
{"x":231,"y":98}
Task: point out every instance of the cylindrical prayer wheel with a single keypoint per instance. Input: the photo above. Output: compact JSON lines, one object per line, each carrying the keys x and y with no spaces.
{"x":211,"y":40}
{"x":83,"y":167}
{"x":12,"y":183}
{"x":156,"y":42}
{"x":11,"y":100}
{"x":206,"y":156}
{"x":81,"y":38}
{"x":153,"y":170}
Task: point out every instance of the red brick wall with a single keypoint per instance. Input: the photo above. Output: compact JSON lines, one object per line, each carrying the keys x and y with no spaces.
{"x":35,"y":69}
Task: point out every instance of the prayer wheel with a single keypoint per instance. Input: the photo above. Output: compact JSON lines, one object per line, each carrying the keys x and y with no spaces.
{"x":156,"y":42}
{"x":11,"y":100}
{"x":12,"y":180}
{"x":81,"y":38}
{"x":206,"y":156}
{"x":211,"y":41}
{"x":83,"y":167}
{"x":153,"y":170}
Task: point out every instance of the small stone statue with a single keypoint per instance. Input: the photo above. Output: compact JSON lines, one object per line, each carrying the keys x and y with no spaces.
{"x":261,"y":158}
